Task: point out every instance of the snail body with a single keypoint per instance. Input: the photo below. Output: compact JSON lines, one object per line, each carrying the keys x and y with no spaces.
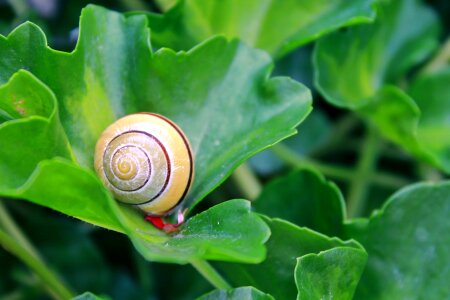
{"x":145,"y":160}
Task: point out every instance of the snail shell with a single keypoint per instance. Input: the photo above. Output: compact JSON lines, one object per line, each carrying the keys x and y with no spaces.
{"x":145,"y":160}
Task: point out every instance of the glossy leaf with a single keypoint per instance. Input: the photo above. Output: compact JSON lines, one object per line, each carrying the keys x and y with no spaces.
{"x":351,"y":66}
{"x":112,"y":71}
{"x":242,"y":293}
{"x":305,"y":198}
{"x":331,"y":274}
{"x":408,"y":245}
{"x":275,"y":26}
{"x":275,"y":275}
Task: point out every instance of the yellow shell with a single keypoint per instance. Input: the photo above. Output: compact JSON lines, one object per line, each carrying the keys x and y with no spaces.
{"x":145,"y":160}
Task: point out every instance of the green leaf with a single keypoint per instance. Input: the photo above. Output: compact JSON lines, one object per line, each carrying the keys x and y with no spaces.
{"x":351,"y":66}
{"x":275,"y":275}
{"x":408,"y":245}
{"x":275,"y":26}
{"x":305,"y":198}
{"x":331,"y":274}
{"x":241,"y":293}
{"x":113,"y":71}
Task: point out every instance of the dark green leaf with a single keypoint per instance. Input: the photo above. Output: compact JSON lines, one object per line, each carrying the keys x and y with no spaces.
{"x":228,"y":231}
{"x":275,"y":275}
{"x":305,"y":198}
{"x":408,"y":245}
{"x":331,"y":274}
{"x":351,"y":66}
{"x":275,"y":26}
{"x":242,"y":293}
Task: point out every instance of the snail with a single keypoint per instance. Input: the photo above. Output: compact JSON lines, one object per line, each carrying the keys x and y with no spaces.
{"x":145,"y":160}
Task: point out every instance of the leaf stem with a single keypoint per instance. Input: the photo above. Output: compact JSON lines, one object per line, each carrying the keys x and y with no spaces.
{"x":247,"y":182}
{"x":441,"y":58}
{"x":12,"y":229}
{"x":338,"y":172}
{"x":56,"y":288}
{"x":210,"y":274}
{"x":366,"y":165}
{"x":13,"y":239}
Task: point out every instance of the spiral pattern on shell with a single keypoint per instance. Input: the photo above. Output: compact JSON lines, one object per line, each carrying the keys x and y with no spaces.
{"x":145,"y":160}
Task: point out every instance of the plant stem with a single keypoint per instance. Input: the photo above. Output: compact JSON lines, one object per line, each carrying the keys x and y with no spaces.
{"x":247,"y":182}
{"x":338,"y":172}
{"x":56,"y":288}
{"x":366,"y":165}
{"x":12,"y":229}
{"x":440,"y":59}
{"x":340,"y":130}
{"x":210,"y":274}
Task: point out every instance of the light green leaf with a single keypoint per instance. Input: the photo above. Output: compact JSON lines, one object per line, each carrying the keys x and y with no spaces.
{"x":408,"y":245}
{"x":305,"y":198}
{"x":351,"y":66}
{"x":331,"y":274}
{"x":275,"y":275}
{"x":275,"y":26}
{"x":241,"y":293}
{"x":31,"y":132}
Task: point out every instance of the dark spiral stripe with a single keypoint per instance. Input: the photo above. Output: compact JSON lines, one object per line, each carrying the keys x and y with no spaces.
{"x":149,"y":167}
{"x":169,"y":165}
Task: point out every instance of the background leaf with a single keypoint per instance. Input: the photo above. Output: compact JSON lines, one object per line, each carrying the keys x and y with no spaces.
{"x":408,"y":245}
{"x":275,"y":26}
{"x":331,"y":274}
{"x":351,"y":66}
{"x":305,"y":198}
